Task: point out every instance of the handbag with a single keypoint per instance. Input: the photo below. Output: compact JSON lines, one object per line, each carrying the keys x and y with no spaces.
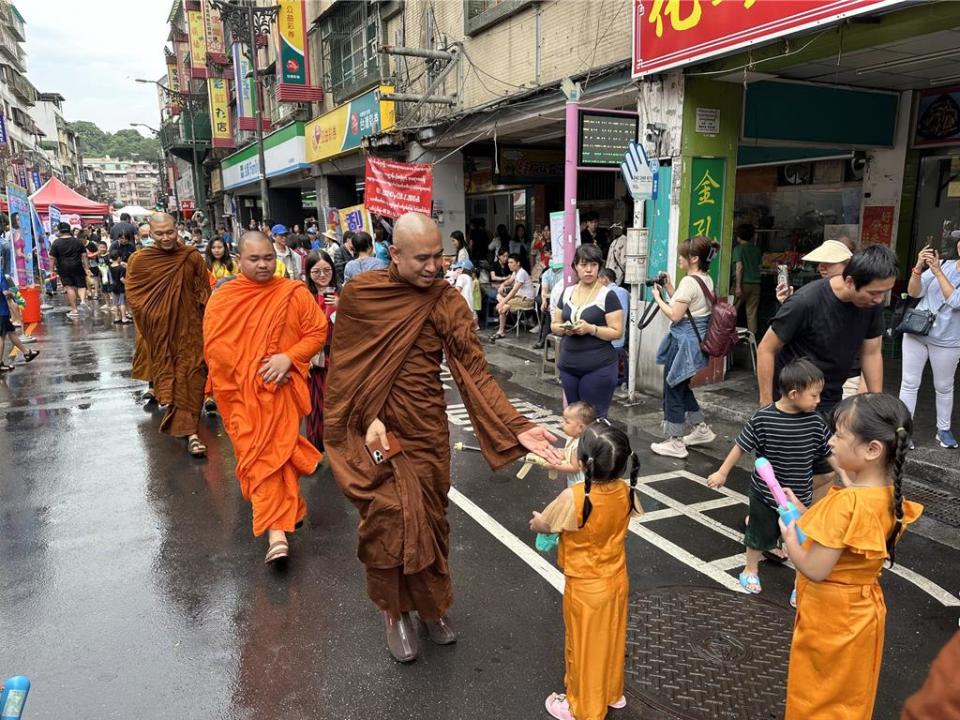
{"x":920,"y":322}
{"x":722,"y":331}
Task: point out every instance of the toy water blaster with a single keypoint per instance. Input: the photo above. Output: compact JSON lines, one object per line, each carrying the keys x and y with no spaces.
{"x":14,"y":697}
{"x":529,"y":460}
{"x":787,"y":510}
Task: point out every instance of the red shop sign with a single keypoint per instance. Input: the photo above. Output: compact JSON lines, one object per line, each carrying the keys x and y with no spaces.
{"x":394,"y":188}
{"x":671,"y":33}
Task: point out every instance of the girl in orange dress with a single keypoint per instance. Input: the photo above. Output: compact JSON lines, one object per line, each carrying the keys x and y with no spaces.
{"x":838,"y":632}
{"x":592,"y":519}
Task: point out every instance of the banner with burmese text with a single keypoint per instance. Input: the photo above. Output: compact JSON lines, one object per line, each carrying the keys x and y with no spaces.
{"x":293,"y":63}
{"x":198,"y":44}
{"x":221,"y":132}
{"x":213,"y":33}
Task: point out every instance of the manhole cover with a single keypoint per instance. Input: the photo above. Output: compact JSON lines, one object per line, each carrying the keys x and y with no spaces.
{"x":937,"y":504}
{"x":706,"y":654}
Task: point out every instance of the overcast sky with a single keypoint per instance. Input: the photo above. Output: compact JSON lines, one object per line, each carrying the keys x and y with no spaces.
{"x":90,"y":51}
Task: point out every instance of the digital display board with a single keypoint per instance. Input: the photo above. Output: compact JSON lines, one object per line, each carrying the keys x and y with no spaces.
{"x":604,"y":138}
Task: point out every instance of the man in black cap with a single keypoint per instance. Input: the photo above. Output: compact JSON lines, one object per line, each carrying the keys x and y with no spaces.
{"x":68,"y":254}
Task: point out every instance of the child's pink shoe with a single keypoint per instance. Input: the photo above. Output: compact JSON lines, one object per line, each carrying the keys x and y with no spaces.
{"x":619,"y":704}
{"x":558,"y":707}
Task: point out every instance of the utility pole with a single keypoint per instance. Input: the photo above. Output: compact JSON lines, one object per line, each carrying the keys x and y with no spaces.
{"x":247,"y":19}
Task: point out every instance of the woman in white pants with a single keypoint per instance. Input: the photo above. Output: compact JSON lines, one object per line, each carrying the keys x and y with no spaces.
{"x":936,"y":283}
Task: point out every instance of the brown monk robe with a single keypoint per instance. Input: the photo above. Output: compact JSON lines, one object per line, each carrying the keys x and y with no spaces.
{"x":261,"y":332}
{"x":939,"y":698}
{"x":394,"y":327}
{"x":167,"y":289}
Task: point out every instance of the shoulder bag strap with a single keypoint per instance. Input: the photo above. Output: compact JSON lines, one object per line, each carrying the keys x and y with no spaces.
{"x":703,"y":286}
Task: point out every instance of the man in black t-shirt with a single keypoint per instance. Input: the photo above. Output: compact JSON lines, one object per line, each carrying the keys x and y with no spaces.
{"x":122,"y":228}
{"x":829,"y":322}
{"x":69,"y":255}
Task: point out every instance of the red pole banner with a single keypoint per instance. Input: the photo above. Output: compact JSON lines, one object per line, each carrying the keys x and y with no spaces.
{"x":394,"y":188}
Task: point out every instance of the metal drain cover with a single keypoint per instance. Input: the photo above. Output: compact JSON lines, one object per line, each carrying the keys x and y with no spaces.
{"x":708,"y":654}
{"x":937,"y":504}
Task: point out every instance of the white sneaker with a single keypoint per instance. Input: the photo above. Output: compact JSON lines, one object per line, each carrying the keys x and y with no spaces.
{"x":671,"y":447}
{"x":700,"y":435}
{"x":27,"y":339}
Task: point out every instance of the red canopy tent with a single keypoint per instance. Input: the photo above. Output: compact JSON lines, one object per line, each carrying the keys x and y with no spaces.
{"x":70,"y":202}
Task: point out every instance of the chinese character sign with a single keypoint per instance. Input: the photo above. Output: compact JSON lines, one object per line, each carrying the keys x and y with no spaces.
{"x":198,"y":44}
{"x":220,"y":128}
{"x":181,"y":49}
{"x":213,"y":33}
{"x":354,"y":218}
{"x":877,"y":225}
{"x":673,"y":33}
{"x":292,"y":59}
{"x":706,"y":201}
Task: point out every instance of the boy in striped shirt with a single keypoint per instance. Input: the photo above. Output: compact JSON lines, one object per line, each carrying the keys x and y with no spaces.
{"x":791,"y":435}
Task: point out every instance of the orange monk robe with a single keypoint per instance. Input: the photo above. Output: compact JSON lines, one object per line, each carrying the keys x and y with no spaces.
{"x":838,"y":631}
{"x":167,"y":292}
{"x":245,"y":322}
{"x":385,"y":363}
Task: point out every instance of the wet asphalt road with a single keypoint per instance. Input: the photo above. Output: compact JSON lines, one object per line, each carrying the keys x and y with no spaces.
{"x":133,"y":588}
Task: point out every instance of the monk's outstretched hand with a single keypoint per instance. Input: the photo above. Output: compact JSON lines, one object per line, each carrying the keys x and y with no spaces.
{"x":275,"y":368}
{"x":537,"y":440}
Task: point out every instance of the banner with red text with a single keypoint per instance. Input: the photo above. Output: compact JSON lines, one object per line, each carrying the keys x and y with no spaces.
{"x":293,"y":62}
{"x":672,"y":33}
{"x":213,"y":33}
{"x":393,"y":188}
{"x":198,"y":44}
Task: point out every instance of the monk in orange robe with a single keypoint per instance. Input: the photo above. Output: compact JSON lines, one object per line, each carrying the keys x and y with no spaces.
{"x":394,"y":327}
{"x":261,"y":332}
{"x":167,"y":289}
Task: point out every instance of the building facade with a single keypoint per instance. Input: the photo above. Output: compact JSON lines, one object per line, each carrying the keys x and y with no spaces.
{"x":59,"y":140}
{"x":127,"y":182}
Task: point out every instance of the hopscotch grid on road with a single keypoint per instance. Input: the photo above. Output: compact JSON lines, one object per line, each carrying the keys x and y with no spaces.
{"x":717,"y":570}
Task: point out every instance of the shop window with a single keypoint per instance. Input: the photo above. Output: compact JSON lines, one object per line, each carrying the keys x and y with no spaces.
{"x":478,"y":15}
{"x":350,"y":55}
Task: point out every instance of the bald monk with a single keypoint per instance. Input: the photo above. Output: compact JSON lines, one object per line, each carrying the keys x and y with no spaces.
{"x":394,"y":327}
{"x":261,"y":332}
{"x":167,"y":289}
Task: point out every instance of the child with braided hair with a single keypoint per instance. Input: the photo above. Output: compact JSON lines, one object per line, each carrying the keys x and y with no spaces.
{"x":838,"y":633}
{"x":592,"y":519}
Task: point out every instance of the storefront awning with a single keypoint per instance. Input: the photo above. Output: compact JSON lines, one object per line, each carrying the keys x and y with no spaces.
{"x":765,"y":155}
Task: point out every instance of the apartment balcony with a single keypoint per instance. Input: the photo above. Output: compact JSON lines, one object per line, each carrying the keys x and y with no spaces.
{"x":176,"y":136}
{"x":11,"y":18}
{"x":24,"y":90}
{"x":10,"y":48}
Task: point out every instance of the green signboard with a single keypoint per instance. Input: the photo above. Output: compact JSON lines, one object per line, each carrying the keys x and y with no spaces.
{"x":706,"y":203}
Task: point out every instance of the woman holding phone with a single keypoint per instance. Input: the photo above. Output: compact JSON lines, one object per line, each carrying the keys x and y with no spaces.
{"x":322,"y":281}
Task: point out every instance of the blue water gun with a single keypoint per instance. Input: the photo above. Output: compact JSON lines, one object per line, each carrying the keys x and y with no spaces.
{"x":14,"y":697}
{"x":787,"y":510}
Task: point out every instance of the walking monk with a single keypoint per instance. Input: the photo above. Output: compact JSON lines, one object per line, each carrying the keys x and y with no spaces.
{"x":393,"y":328}
{"x":167,"y":290}
{"x":261,"y":332}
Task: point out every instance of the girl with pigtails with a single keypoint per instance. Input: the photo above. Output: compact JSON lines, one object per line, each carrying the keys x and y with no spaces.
{"x":592,"y":519}
{"x":838,"y":632}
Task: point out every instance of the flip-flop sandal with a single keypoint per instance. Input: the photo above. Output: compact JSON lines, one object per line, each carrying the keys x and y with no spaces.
{"x":210,"y":407}
{"x":278,"y":550}
{"x":148,"y":397}
{"x":793,"y":598}
{"x":619,"y":704}
{"x":6,"y":368}
{"x":30,"y":356}
{"x":196,"y":448}
{"x":750,"y":581}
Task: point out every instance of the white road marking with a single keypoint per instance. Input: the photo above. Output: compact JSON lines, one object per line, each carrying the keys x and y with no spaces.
{"x":531,"y":557}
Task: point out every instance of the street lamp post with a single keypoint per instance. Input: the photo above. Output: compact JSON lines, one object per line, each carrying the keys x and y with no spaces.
{"x":255,"y":21}
{"x":189,"y":102}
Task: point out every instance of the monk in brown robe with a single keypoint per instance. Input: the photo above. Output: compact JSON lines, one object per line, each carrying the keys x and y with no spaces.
{"x":167,"y":289}
{"x":394,"y":327}
{"x":261,"y":332}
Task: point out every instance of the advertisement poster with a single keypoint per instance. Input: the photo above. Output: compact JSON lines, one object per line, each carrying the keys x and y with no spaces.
{"x":558,"y":243}
{"x":243,"y":82}
{"x":213,"y":33}
{"x":342,"y":129}
{"x":877,"y":225}
{"x":393,"y":188}
{"x":54,"y":219}
{"x":41,"y":241}
{"x":292,"y":61}
{"x":938,"y":117}
{"x":331,"y":221}
{"x":22,"y":226}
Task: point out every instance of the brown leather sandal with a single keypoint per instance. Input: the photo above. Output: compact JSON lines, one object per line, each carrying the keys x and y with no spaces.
{"x":196,"y":448}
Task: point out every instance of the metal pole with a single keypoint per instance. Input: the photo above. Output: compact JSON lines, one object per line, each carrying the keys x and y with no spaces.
{"x":257,"y":94}
{"x":637,"y":240}
{"x":572,"y":131}
{"x":176,"y":193}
